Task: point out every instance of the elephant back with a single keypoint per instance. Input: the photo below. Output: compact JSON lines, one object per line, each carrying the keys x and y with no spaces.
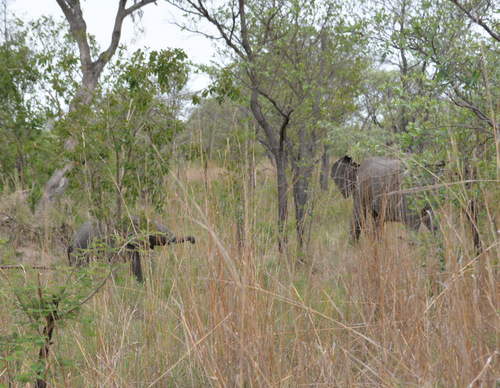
{"x":92,"y":230}
{"x":378,"y":166}
{"x":89,"y":231}
{"x":377,"y":177}
{"x":379,"y":169}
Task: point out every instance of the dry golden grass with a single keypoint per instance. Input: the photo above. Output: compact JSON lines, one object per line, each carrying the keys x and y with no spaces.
{"x":230,"y":311}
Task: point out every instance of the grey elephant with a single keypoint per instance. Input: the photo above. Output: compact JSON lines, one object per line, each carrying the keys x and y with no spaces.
{"x":376,"y":184}
{"x":136,"y":235}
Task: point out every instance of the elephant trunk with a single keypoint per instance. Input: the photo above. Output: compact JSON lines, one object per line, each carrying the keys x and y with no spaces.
{"x":162,"y":239}
{"x":158,"y":239}
{"x":179,"y":240}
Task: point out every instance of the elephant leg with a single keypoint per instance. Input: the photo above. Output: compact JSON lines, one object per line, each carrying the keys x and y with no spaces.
{"x":355,"y":228}
{"x":378,"y":222}
{"x":428,"y":219}
{"x":358,"y":218}
{"x":136,"y":265}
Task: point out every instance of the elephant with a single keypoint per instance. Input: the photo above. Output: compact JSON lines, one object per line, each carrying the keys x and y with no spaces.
{"x":376,"y":184}
{"x":156,"y":234}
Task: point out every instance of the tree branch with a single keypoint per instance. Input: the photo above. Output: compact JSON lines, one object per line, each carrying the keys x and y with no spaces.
{"x":477,"y":20}
{"x":73,"y":13}
{"x":466,"y":103}
{"x":199,"y":10}
{"x":244,"y":32}
{"x":121,"y":14}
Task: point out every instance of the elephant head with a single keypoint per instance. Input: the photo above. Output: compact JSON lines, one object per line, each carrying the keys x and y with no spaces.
{"x":376,"y":186}
{"x":155,"y":233}
{"x":344,"y":172}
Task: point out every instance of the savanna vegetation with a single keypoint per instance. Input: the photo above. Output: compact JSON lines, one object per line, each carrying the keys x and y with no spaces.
{"x":274,"y":293}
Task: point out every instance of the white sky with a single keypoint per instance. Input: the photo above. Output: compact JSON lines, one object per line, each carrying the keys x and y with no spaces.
{"x":159,"y":32}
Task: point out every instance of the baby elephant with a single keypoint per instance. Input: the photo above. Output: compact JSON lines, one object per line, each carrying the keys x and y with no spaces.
{"x":136,"y":235}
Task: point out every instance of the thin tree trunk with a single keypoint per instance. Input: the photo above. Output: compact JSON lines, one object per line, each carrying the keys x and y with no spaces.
{"x":119,"y":199}
{"x":277,"y":148}
{"x":282,"y":201}
{"x":43,"y":355}
{"x":48,"y":330}
{"x":324,"y":174}
{"x":300,"y":162}
{"x":300,"y":196}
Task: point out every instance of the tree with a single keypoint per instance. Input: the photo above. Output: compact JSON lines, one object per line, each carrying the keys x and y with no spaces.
{"x":129,"y":127}
{"x":21,"y":115}
{"x":91,"y":71}
{"x":339,"y":62}
{"x":390,"y":24}
{"x":464,"y":57}
{"x":459,"y":42}
{"x":483,"y":14}
{"x":274,"y":47}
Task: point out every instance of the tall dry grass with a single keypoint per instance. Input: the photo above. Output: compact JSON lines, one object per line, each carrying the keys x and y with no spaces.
{"x":231,"y":311}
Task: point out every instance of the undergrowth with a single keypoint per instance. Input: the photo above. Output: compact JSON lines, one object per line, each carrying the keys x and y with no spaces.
{"x":405,"y":310}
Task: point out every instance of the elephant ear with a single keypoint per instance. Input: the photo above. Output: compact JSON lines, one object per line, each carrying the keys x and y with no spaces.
{"x":344,"y":173}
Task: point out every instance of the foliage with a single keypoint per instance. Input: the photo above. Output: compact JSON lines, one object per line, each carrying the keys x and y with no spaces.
{"x":125,"y":134}
{"x":417,"y":79}
{"x":441,"y":62}
{"x":39,"y":73}
{"x":291,"y":63}
{"x":57,"y":62}
{"x":224,"y":85}
{"x":21,"y":114}
{"x":216,"y":126}
{"x":35,"y":302}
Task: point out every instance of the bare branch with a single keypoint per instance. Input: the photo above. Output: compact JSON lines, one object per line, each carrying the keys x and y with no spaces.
{"x":78,"y":27}
{"x":244,"y":32}
{"x":466,"y":103}
{"x":198,"y":9}
{"x":121,"y":14}
{"x":477,"y":20}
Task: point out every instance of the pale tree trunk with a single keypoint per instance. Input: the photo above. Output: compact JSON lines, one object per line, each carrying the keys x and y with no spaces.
{"x":91,"y":71}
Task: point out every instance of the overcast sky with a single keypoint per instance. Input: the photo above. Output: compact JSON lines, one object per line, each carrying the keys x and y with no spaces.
{"x":159,"y":32}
